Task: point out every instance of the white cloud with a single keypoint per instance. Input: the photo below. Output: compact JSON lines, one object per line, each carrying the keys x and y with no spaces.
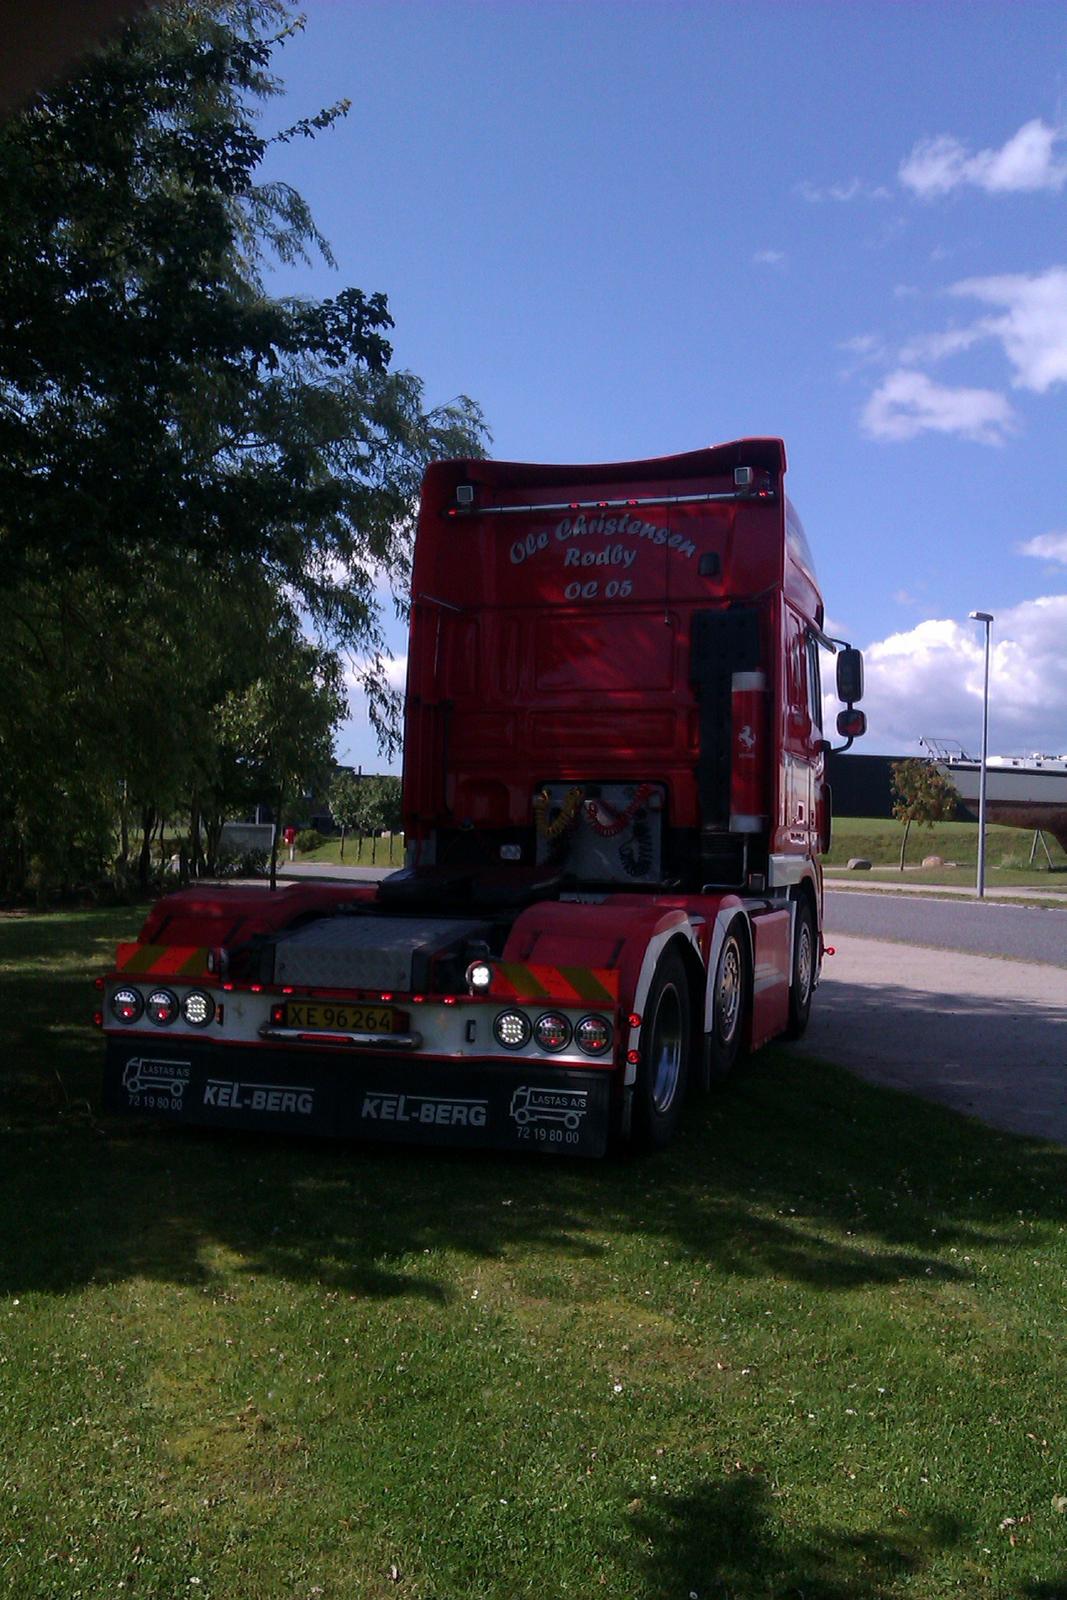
{"x":1033,"y":328}
{"x":1046,"y":547}
{"x":1030,"y":327}
{"x":928,"y":681}
{"x":395,"y":675}
{"x":769,"y":258}
{"x":841,"y":192}
{"x":937,"y":346}
{"x":1028,"y":162}
{"x":908,"y":403}
{"x":868,"y":346}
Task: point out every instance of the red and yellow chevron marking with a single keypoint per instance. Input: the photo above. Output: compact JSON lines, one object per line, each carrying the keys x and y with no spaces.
{"x":163,"y":960}
{"x":519,"y":980}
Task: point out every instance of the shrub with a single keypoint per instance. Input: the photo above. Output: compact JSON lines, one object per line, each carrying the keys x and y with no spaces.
{"x":309,"y":839}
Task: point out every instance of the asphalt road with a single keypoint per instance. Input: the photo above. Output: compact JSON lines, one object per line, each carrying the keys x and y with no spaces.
{"x":918,"y":1008}
{"x":981,"y":927}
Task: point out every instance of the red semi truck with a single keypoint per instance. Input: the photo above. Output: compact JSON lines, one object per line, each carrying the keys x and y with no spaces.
{"x":614,"y":806}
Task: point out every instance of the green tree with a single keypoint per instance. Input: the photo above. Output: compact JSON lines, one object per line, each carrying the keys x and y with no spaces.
{"x":344,"y":803}
{"x":168,"y":430}
{"x":365,"y":805}
{"x":280,"y":727}
{"x":922,"y":795}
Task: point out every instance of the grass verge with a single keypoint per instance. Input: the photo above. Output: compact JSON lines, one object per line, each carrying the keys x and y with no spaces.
{"x":814,"y":1350}
{"x":378,"y":852}
{"x":1007,"y":853}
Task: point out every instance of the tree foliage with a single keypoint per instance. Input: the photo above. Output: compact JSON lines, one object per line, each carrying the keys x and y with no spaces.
{"x":921,"y":794}
{"x":365,"y":804}
{"x":192,"y":471}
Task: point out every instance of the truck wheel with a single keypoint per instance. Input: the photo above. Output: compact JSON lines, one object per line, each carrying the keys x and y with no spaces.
{"x":802,"y":985}
{"x":659,"y":1093}
{"x":723,"y":1043}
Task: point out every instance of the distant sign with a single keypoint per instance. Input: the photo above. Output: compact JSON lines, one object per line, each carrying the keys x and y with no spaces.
{"x":239,"y":837}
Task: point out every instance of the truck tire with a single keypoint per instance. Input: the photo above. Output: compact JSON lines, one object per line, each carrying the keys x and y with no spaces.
{"x":663,"y":1073}
{"x":802,"y":976}
{"x":729,"y":998}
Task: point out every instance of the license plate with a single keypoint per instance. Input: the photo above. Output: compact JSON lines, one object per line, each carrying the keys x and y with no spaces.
{"x":323,"y":1016}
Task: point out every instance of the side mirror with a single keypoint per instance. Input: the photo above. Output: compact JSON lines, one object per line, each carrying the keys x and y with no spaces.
{"x":850,"y":675}
{"x":851,"y":724}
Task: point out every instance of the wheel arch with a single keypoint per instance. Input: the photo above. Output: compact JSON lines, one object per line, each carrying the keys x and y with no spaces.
{"x":804,"y":894}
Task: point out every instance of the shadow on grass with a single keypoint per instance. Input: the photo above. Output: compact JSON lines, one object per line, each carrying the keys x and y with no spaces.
{"x":798,"y":1170}
{"x":726,"y":1542}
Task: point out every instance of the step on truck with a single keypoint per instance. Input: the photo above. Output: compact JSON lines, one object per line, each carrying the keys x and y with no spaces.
{"x":614,"y":807}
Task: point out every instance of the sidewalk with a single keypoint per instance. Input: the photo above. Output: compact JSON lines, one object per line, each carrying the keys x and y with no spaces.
{"x":980,"y":1034}
{"x":863,"y":880}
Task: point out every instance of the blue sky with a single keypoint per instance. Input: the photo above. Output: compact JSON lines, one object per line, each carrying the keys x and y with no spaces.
{"x":629,"y":229}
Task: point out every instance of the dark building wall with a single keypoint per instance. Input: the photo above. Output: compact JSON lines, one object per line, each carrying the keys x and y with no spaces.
{"x":861,"y":786}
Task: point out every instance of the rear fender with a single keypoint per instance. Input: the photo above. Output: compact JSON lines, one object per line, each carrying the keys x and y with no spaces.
{"x":229,"y":915}
{"x":628,"y":938}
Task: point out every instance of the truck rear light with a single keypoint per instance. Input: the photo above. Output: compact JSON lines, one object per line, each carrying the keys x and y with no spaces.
{"x":161,"y":1007}
{"x":512,"y":1030}
{"x":127,"y":1005}
{"x":593,"y":1035}
{"x":198,"y":1008}
{"x":552,"y":1031}
{"x":479,"y":977}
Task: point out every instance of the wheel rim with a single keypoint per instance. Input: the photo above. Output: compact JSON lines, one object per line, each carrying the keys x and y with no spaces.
{"x":805,"y":963}
{"x":667,"y":1044}
{"x":728,"y":991}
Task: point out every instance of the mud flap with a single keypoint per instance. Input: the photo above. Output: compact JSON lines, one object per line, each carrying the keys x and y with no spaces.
{"x":520,"y":1106}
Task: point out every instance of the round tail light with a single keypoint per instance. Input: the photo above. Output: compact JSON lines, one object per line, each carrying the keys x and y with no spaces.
{"x":161,"y":1007}
{"x":552,"y":1031}
{"x":198,"y":1008}
{"x":593,"y":1035}
{"x":127,"y":1005}
{"x":512,"y":1030}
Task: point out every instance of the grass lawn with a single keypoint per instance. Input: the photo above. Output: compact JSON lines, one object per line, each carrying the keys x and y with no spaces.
{"x":387,"y":852}
{"x":815,"y":1352}
{"x":1007,"y":853}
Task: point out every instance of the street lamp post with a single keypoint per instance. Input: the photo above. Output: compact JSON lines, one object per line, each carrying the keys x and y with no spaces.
{"x":986,"y":618}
